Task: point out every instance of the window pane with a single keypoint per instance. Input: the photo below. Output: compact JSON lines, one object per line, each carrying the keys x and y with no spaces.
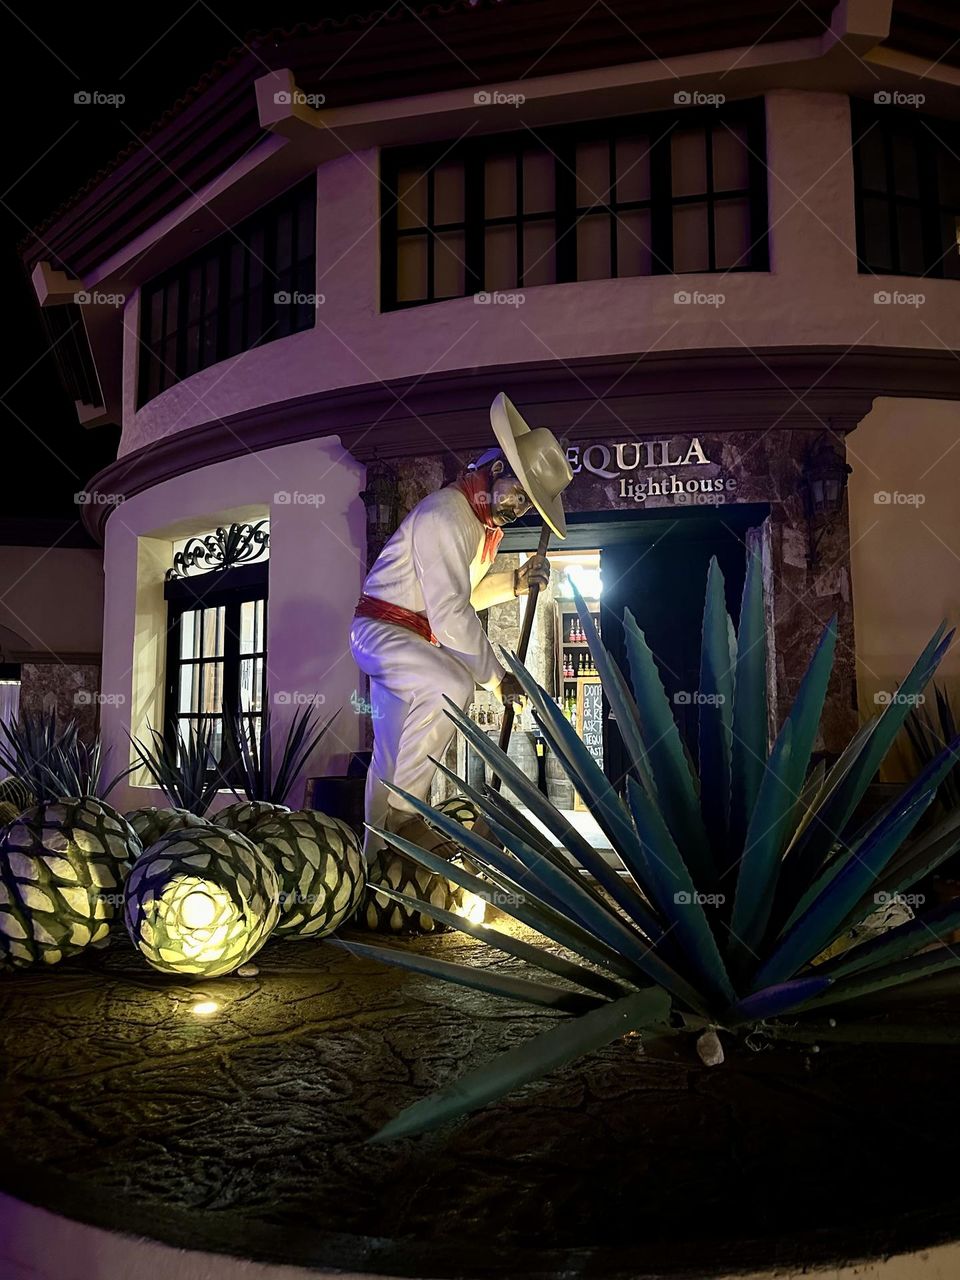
{"x":633,"y":243}
{"x":500,"y":186}
{"x":259,"y":635}
{"x":411,"y":198}
{"x":876,"y":233}
{"x":212,"y":632}
{"x":190,"y":634}
{"x":251,"y":684}
{"x":538,"y":182}
{"x":873,"y":161}
{"x":905,"y":163}
{"x":215,"y":724}
{"x":211,"y":686}
{"x":449,"y":273}
{"x":188,"y":697}
{"x":950,"y":245}
{"x":593,"y":247}
{"x":910,"y":237}
{"x":731,"y":229}
{"x":411,"y":268}
{"x":730,"y":158}
{"x":211,"y":284}
{"x":500,"y":266}
{"x":448,"y":193}
{"x":633,"y":168}
{"x":690,"y":247}
{"x":948,"y":177}
{"x":248,"y":611}
{"x":593,"y":173}
{"x":688,"y":161}
{"x":539,"y":253}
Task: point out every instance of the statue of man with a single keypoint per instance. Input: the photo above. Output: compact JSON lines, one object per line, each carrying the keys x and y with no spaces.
{"x":416,"y":633}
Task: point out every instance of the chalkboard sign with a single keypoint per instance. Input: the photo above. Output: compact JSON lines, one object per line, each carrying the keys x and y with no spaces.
{"x":591,"y":719}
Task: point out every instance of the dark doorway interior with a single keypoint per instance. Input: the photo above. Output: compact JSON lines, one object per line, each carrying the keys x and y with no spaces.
{"x":655,"y":563}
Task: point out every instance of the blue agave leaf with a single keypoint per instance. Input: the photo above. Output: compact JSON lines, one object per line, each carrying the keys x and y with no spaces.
{"x":674,"y":892}
{"x":488,"y":980}
{"x":581,"y":906}
{"x":780,"y":789}
{"x":886,"y":814}
{"x":924,"y":965}
{"x":760,"y":864}
{"x":617,"y":693}
{"x":523,"y":905}
{"x":833,"y":815}
{"x":676,"y":791}
{"x":556,"y":1048}
{"x":896,"y":944}
{"x":590,"y":781}
{"x":770,"y":1002}
{"x":716,"y":712}
{"x":749,"y":751}
{"x":537,"y":957}
{"x":820,"y":923}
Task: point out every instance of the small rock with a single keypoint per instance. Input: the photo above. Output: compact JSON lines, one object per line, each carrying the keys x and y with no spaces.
{"x":709,"y":1049}
{"x":247,"y":971}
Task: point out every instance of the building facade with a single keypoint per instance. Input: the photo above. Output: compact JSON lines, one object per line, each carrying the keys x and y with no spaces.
{"x":716,"y":253}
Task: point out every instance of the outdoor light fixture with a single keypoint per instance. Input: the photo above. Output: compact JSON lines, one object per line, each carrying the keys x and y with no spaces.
{"x":381,"y":498}
{"x":825,"y":473}
{"x":201,"y":902}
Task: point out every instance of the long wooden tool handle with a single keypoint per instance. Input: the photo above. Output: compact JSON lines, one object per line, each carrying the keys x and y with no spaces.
{"x":506,"y":727}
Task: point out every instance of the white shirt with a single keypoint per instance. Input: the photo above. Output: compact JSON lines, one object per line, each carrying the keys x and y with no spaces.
{"x":433,"y":565}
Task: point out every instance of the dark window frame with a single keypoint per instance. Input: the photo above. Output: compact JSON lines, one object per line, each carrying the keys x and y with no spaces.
{"x":866,"y":117}
{"x":562,"y":141}
{"x":225,"y":321}
{"x":230,"y":588}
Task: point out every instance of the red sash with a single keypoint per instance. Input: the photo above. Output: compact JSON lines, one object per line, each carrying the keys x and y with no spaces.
{"x":383,"y":611}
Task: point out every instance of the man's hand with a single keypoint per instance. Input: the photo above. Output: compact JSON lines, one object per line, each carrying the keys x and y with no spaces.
{"x":536,"y":572}
{"x":511,"y":690}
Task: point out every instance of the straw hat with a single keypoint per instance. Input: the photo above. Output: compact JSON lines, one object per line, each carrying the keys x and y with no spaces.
{"x":536,"y":459}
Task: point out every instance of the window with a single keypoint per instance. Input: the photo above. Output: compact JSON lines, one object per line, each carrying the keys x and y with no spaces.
{"x":684,"y":192}
{"x":907,"y":183}
{"x":216,"y":634}
{"x":250,"y":286}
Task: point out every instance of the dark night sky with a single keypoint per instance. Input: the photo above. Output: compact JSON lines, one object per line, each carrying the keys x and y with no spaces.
{"x":51,"y":147}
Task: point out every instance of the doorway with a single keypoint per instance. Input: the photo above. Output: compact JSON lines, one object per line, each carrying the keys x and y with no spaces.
{"x":654,"y":564}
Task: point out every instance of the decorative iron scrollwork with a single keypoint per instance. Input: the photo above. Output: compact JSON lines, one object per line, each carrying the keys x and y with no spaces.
{"x":222,"y":549}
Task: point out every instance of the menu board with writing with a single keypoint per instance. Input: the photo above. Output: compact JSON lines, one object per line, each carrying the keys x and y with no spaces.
{"x":590,"y":721}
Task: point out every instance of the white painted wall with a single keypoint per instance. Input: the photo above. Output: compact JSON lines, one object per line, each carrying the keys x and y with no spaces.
{"x":317,"y":547}
{"x":905,"y":552}
{"x":812,"y":295}
{"x":53,"y":597}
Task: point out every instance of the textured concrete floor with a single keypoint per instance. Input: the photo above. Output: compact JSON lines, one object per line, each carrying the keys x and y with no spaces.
{"x":243,"y":1130}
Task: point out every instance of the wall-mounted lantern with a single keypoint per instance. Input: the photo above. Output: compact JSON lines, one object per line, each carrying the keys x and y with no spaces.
{"x":381,"y":498}
{"x":825,"y":472}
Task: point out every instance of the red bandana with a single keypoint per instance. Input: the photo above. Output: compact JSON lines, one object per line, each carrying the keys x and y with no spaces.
{"x":473,"y":486}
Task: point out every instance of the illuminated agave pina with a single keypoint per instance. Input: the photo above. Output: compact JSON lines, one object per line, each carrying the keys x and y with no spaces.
{"x":201,"y":901}
{"x":384,"y":915}
{"x":62,"y":867}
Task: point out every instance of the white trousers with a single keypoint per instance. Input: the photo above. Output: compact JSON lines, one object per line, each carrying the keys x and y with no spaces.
{"x":408,"y":680}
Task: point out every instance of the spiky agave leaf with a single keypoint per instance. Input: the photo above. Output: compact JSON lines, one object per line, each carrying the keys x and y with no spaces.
{"x":260,"y":777}
{"x":666,"y":925}
{"x":30,"y":749}
{"x":558,"y":1047}
{"x":185,"y":768}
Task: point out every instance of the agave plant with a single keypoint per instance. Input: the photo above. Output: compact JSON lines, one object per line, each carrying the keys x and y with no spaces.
{"x":734,"y":875}
{"x":52,"y":760}
{"x":184,"y":768}
{"x":928,"y":733}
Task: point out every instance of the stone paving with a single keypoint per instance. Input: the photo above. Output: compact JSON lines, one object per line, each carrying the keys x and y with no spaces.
{"x":242,"y":1128}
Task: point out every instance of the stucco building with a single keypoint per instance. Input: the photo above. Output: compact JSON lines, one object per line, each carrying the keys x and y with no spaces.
{"x":713,"y":250}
